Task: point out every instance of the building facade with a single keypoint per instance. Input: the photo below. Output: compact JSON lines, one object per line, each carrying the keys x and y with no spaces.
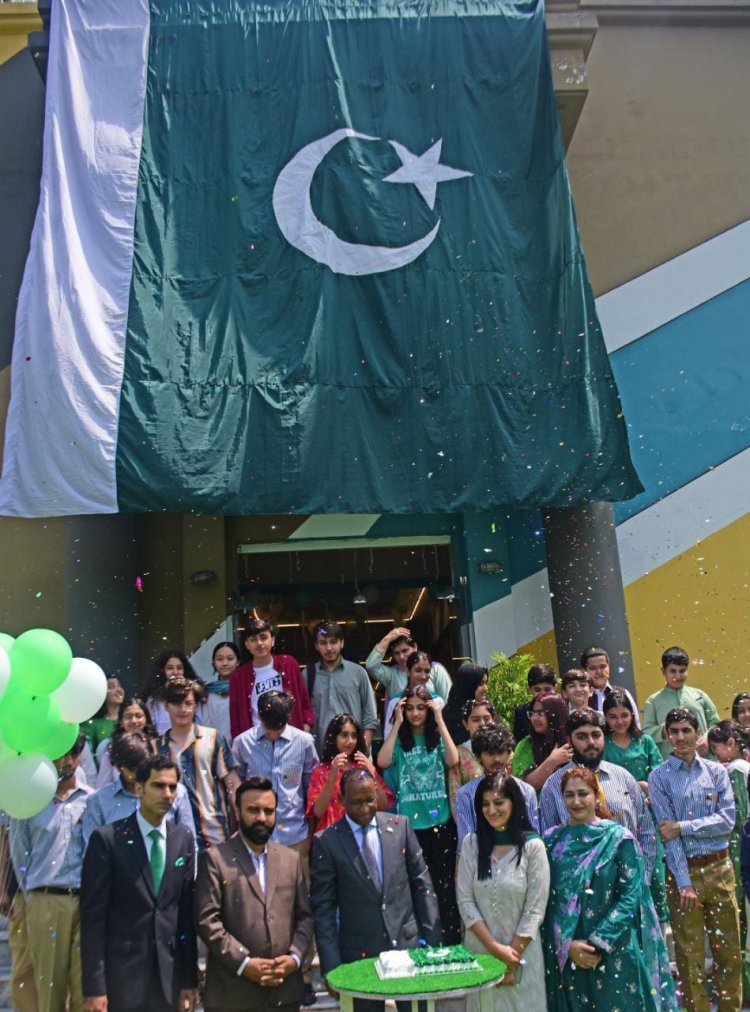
{"x":652,"y":100}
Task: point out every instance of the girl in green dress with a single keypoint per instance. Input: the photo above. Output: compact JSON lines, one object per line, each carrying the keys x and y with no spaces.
{"x":627,"y":746}
{"x":726,"y":741}
{"x":102,"y":724}
{"x":416,"y":753}
{"x":604,"y":947}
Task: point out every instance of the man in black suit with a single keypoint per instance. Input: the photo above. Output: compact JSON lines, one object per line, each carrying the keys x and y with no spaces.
{"x":369,"y":868}
{"x":138,"y":946}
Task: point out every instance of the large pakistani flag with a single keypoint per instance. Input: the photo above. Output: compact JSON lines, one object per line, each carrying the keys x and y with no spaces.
{"x":306,"y":257}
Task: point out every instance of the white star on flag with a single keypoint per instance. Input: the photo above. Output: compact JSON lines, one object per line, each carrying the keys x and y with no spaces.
{"x":425,"y":171}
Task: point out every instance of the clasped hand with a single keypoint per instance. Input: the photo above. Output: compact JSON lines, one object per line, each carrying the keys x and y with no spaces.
{"x":269,"y":972}
{"x":583,"y":955}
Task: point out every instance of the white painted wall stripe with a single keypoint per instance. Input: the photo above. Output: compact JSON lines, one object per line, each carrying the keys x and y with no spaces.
{"x":712,"y":501}
{"x":646,"y":541}
{"x":675,"y":287}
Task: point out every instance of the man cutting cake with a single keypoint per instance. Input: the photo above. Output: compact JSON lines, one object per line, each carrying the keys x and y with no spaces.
{"x":368,"y":868}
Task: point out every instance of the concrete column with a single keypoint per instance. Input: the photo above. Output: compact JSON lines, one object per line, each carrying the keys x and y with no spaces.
{"x":585,"y":581}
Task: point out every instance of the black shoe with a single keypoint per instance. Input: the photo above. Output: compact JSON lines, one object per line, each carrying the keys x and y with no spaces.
{"x":309,"y":997}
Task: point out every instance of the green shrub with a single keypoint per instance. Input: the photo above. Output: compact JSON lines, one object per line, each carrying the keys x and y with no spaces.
{"x":506,"y":684}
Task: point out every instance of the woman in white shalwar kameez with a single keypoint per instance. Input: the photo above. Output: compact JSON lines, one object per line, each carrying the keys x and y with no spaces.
{"x":502,"y":887}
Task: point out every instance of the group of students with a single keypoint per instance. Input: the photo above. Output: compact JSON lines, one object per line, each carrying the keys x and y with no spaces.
{"x":640,"y":829}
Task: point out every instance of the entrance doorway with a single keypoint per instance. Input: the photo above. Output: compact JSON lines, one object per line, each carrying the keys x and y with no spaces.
{"x":366,"y":585}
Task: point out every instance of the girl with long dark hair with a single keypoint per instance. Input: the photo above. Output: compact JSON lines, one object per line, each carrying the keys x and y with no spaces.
{"x":416,"y":753}
{"x":167,"y":666}
{"x":546,"y":749}
{"x":344,"y":747}
{"x":476,"y":713}
{"x":502,"y":887}
{"x":627,"y":746}
{"x":469,"y":683}
{"x":132,"y":716}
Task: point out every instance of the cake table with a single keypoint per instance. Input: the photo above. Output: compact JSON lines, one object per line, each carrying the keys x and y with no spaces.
{"x":360,"y":980}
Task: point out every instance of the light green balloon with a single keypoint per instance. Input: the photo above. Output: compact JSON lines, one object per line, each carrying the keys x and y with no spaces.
{"x":62,"y":740}
{"x":6,"y":642}
{"x":27,"y":784}
{"x":40,"y":661}
{"x":27,"y":722}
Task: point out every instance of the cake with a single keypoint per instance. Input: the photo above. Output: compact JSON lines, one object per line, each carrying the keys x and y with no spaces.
{"x":394,"y":964}
{"x":445,"y":959}
{"x":425,"y":961}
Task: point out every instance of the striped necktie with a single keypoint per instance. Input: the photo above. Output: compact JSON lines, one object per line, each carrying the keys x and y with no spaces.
{"x":369,"y":855}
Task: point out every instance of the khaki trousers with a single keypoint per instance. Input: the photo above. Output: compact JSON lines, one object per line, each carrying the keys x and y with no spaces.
{"x":718,"y":917}
{"x":54,"y":928}
{"x":22,"y":986}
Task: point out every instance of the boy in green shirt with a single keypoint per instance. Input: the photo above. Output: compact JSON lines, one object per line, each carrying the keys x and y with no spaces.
{"x":674,"y":667}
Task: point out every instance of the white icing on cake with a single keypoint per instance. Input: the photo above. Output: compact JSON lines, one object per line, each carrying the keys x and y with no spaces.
{"x":394,"y":964}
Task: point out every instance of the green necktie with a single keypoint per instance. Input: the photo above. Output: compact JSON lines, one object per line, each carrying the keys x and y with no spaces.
{"x":157,"y":859}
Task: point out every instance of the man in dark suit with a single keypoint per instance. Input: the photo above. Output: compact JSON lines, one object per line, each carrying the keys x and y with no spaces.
{"x":371,"y":889}
{"x":253,"y":912}
{"x":138,"y":945}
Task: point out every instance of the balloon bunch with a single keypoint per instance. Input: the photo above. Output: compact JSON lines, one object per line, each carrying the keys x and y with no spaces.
{"x":44,"y":693}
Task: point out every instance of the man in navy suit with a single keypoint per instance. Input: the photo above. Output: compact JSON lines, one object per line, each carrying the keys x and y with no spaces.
{"x":371,"y":889}
{"x":138,"y":946}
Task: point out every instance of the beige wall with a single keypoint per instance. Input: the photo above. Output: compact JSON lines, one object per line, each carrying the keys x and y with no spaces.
{"x":16,"y":21}
{"x":660,"y":160}
{"x":174,"y":612}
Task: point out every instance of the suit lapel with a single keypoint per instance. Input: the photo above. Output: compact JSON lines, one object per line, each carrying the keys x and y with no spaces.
{"x":172,"y":853}
{"x":390,"y":844}
{"x":351,"y":847}
{"x":131,"y":843}
{"x":272,"y":870}
{"x":247,"y":865}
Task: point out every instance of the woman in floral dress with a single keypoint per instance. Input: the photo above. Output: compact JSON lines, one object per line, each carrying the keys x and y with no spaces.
{"x":604,"y":947}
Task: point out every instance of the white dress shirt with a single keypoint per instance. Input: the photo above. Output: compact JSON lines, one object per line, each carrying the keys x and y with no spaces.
{"x":146,"y":828}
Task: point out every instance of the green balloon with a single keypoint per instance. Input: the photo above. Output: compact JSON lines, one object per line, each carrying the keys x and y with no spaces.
{"x":40,"y":661}
{"x":27,"y":722}
{"x":62,"y":741}
{"x":6,"y":642}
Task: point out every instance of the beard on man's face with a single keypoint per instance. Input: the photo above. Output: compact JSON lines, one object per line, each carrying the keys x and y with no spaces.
{"x":257,"y":832}
{"x":590,"y":758}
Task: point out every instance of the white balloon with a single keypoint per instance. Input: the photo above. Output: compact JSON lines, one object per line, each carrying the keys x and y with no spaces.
{"x":27,"y":784}
{"x":4,"y":671}
{"x":83,"y":691}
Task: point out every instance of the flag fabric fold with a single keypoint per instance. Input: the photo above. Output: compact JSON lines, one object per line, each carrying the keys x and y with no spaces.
{"x":306,"y":258}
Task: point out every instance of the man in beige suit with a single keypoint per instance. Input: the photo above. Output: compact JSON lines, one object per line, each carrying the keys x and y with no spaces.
{"x":253,"y":912}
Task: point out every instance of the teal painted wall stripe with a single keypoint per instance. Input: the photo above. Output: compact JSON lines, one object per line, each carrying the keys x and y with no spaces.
{"x":684,"y":390}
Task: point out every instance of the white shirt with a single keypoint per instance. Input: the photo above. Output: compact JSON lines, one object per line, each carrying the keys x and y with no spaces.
{"x":146,"y":828}
{"x":259,"y":860}
{"x":372,"y":828}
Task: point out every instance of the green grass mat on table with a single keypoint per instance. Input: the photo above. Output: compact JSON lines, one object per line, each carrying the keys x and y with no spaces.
{"x":362,"y":976}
